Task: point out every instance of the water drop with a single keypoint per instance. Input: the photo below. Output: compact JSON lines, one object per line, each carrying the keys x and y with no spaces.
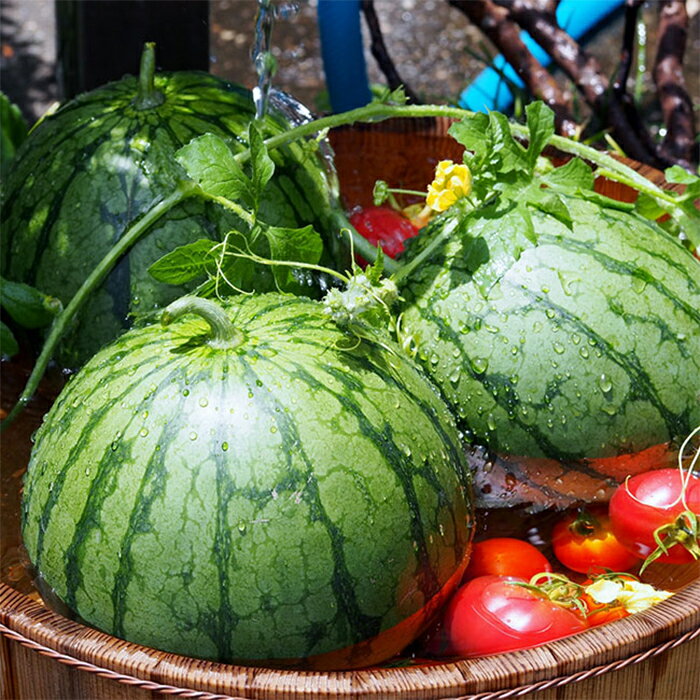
{"x":479,"y":364}
{"x":605,"y":384}
{"x":558,"y":348}
{"x":143,"y":432}
{"x":491,"y":422}
{"x":193,"y":435}
{"x":224,"y":446}
{"x":203,"y":402}
{"x":242,"y":526}
{"x":185,"y":392}
{"x":638,"y":284}
{"x":584,"y":352}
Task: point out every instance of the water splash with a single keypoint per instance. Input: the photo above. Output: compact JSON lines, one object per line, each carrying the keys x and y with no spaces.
{"x":263,"y":60}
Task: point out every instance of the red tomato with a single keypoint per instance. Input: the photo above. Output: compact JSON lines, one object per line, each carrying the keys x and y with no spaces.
{"x":651,"y":501}
{"x":601,"y":613}
{"x":491,"y":614}
{"x":385,"y":226}
{"x":583,"y":542}
{"x":506,"y":556}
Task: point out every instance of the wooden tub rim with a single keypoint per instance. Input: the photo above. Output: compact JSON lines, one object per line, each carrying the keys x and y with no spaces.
{"x":572,"y":659}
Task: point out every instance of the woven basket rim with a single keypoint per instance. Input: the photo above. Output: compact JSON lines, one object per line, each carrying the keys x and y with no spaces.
{"x":667,"y":624}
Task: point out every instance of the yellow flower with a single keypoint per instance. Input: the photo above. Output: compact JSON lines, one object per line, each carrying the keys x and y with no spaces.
{"x":452,"y":182}
{"x":634,"y":596}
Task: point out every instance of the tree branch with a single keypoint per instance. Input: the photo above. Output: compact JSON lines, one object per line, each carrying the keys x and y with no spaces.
{"x":676,"y":105}
{"x":505,"y":35}
{"x":381,"y":55}
{"x":585,"y":71}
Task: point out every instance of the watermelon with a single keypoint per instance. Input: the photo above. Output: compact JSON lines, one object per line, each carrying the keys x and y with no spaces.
{"x":101,"y":161}
{"x":277,"y":492}
{"x":573,"y":345}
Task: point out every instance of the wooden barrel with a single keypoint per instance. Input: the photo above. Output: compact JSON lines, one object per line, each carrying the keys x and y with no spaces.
{"x":649,"y":655}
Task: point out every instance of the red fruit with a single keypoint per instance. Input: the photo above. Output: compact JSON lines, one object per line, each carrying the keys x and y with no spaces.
{"x":493,"y":614}
{"x":585,"y":543}
{"x":506,"y":556}
{"x":383,"y":226}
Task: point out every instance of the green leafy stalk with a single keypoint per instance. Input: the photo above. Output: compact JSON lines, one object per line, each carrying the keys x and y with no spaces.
{"x":147,"y":96}
{"x":608,"y":166}
{"x":91,"y":283}
{"x":223,"y":334}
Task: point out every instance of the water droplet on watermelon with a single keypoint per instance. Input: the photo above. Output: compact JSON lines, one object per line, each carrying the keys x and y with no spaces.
{"x":638,"y":284}
{"x":549,"y":313}
{"x":242,"y":527}
{"x":605,"y":384}
{"x":193,"y":435}
{"x":273,"y":428}
{"x":479,"y":364}
{"x":224,"y":446}
{"x":584,"y":352}
{"x":575,"y":338}
{"x":185,"y":392}
{"x":143,"y":432}
{"x":434,"y":359}
{"x":203,"y":402}
{"x":114,"y":446}
{"x":250,"y":393}
{"x":558,"y":348}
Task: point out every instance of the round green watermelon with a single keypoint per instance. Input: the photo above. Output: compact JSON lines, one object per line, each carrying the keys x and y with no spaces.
{"x":92,"y":168}
{"x":270,"y":491}
{"x":574,"y":343}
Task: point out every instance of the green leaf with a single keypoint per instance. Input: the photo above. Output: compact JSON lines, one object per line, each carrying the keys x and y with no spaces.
{"x":680,"y":176}
{"x":528,"y":228}
{"x":27,"y":306}
{"x":554,"y":205}
{"x":471,"y":133}
{"x":210,"y":163}
{"x":8,"y":344}
{"x":262,"y":165}
{"x":292,"y":244}
{"x":648,"y":207}
{"x":512,"y":156}
{"x":383,"y":95}
{"x":374,"y":271}
{"x":184,"y":263}
{"x":380,"y":193}
{"x":574,"y":176}
{"x":13,"y":131}
{"x":540,"y":124}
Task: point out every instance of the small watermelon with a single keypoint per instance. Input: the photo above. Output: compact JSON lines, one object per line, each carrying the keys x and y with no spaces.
{"x":280,"y":492}
{"x":101,"y":161}
{"x":574,"y":345}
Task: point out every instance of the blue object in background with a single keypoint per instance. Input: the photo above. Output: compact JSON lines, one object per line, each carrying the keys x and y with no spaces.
{"x":490,"y":91}
{"x":343,"y":54}
{"x":346,"y":71}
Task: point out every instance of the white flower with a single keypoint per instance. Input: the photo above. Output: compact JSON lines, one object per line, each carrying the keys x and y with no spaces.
{"x":633,"y":595}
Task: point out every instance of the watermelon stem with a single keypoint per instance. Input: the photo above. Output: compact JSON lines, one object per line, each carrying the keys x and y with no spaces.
{"x":223,"y":333}
{"x":63,"y":321}
{"x":612,"y":168}
{"x":148,"y":97}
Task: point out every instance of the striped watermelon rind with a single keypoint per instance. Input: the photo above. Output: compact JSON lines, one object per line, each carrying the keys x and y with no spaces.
{"x":97,"y":164}
{"x":301,"y":496}
{"x":584,"y":343}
